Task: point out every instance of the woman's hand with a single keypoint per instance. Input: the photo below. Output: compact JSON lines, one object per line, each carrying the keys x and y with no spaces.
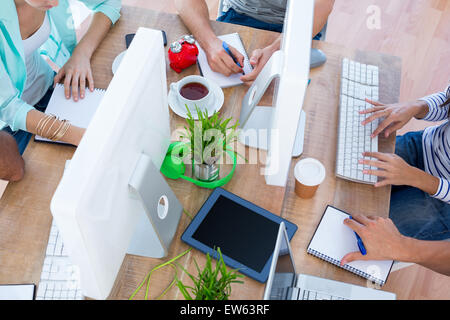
{"x":381,"y":239}
{"x":395,"y":171}
{"x":77,"y":73}
{"x":395,"y":115}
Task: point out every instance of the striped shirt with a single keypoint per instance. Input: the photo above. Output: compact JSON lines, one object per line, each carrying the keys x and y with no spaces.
{"x":436,"y":143}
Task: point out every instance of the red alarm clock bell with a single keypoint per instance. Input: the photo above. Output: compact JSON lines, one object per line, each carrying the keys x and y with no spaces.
{"x":183,"y":53}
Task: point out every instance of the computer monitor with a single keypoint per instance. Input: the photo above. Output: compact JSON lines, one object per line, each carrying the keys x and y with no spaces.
{"x":112,"y":199}
{"x":280,"y":129}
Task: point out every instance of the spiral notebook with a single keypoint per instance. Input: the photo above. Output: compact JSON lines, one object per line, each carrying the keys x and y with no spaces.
{"x":333,"y":240}
{"x":78,"y":113}
{"x":234,"y":40}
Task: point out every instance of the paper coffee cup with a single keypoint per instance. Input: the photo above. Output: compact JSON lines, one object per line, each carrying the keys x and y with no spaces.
{"x":309,"y":174}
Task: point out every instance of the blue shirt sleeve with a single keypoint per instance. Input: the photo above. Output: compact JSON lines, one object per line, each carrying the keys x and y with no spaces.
{"x":13,"y":110}
{"x":110,"y":8}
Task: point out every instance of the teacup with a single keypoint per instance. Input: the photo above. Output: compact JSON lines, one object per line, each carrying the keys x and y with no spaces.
{"x":193,"y":91}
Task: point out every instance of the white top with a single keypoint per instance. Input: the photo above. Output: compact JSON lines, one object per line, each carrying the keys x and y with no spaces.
{"x":38,"y":82}
{"x":436,"y":143}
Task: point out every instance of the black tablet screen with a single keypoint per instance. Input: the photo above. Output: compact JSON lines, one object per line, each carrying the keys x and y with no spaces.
{"x":239,"y":232}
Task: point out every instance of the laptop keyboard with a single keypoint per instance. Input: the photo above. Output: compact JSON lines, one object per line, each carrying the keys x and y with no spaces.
{"x":299,"y":294}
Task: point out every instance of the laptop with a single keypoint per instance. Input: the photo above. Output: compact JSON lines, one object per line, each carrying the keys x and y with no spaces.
{"x":285,"y":284}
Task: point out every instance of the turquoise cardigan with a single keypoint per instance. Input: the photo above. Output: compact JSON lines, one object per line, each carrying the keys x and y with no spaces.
{"x":59,"y":47}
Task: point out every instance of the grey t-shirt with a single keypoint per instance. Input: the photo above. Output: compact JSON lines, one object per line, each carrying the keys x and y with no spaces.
{"x":270,"y":11}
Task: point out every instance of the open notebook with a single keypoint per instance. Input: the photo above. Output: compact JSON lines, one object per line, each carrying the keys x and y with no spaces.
{"x":234,"y":40}
{"x":333,"y":240}
{"x":78,"y":113}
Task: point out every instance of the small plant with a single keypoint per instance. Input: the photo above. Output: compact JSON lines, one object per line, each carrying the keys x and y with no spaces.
{"x":209,"y":136}
{"x":210,"y":284}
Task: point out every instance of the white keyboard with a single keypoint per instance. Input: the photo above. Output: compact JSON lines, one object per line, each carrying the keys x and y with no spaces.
{"x":358,"y":82}
{"x":299,"y":294}
{"x":59,"y":278}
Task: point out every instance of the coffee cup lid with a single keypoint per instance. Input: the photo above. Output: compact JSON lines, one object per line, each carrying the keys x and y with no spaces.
{"x":309,"y":172}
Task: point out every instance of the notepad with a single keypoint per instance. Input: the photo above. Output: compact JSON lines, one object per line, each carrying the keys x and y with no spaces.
{"x":78,"y":113}
{"x":234,"y":40}
{"x":17,"y":291}
{"x":333,"y":240}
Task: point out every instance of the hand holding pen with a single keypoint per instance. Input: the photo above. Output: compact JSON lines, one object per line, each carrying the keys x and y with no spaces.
{"x":379,"y":239}
{"x":221,"y":61}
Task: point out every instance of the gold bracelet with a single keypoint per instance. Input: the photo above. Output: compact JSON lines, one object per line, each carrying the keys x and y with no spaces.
{"x":52,"y":136}
{"x":55,"y":120}
{"x":41,"y":126}
{"x":63,"y":131}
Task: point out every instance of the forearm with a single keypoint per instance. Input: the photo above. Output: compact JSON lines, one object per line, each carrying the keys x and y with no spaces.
{"x":195,"y":16}
{"x":421,"y":108}
{"x":424,"y":181}
{"x":34,"y":121}
{"x":434,"y":255}
{"x":322,"y":10}
{"x":97,"y":31}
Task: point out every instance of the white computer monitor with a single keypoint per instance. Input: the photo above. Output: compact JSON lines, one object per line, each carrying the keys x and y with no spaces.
{"x":112,"y":199}
{"x":279,"y":129}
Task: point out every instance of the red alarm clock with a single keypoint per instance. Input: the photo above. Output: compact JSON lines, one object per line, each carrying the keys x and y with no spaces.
{"x":183,"y":53}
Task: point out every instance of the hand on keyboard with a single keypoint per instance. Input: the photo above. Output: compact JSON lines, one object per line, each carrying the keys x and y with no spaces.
{"x":392,"y":169}
{"x":395,"y":115}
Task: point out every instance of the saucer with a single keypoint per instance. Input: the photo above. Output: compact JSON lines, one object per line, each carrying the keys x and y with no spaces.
{"x":180,"y":109}
{"x":117,"y":61}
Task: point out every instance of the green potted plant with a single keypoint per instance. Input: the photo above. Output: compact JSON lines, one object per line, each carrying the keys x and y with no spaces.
{"x":208,"y":138}
{"x":210,"y":283}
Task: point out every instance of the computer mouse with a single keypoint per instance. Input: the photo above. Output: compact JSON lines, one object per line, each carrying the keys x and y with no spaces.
{"x":318,"y":58}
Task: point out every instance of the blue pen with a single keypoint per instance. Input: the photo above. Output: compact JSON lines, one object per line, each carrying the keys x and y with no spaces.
{"x":361,"y":247}
{"x":227,"y":49}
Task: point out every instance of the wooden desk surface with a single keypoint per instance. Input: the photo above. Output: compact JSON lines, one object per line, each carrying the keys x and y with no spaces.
{"x":321,"y":107}
{"x":25,"y":218}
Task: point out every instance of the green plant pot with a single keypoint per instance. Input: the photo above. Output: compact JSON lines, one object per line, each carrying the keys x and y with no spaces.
{"x":205,"y":172}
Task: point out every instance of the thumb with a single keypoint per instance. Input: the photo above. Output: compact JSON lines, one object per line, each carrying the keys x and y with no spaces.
{"x":352,"y":256}
{"x":256,"y":56}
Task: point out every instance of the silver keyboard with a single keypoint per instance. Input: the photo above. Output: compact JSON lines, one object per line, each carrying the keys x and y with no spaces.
{"x":358,"y":82}
{"x":299,"y":294}
{"x":59,"y":277}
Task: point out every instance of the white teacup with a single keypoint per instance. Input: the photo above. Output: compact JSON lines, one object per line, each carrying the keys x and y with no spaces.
{"x":202,"y":103}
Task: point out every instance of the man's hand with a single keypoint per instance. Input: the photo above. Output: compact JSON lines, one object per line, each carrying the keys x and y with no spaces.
{"x":220,"y":61}
{"x":381,"y":239}
{"x":259,"y":59}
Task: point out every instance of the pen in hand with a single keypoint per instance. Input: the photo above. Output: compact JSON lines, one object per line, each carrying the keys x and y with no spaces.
{"x":361,"y":246}
{"x":227,"y":49}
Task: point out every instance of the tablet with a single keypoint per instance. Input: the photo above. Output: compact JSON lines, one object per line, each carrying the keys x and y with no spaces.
{"x":245,"y":233}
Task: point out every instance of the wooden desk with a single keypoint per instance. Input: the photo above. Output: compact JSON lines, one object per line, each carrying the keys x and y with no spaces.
{"x":25,"y":217}
{"x":321,"y":106}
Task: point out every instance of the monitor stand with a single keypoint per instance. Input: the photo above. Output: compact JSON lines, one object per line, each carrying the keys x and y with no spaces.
{"x":260,"y":121}
{"x":157,"y":227}
{"x":256,"y":121}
